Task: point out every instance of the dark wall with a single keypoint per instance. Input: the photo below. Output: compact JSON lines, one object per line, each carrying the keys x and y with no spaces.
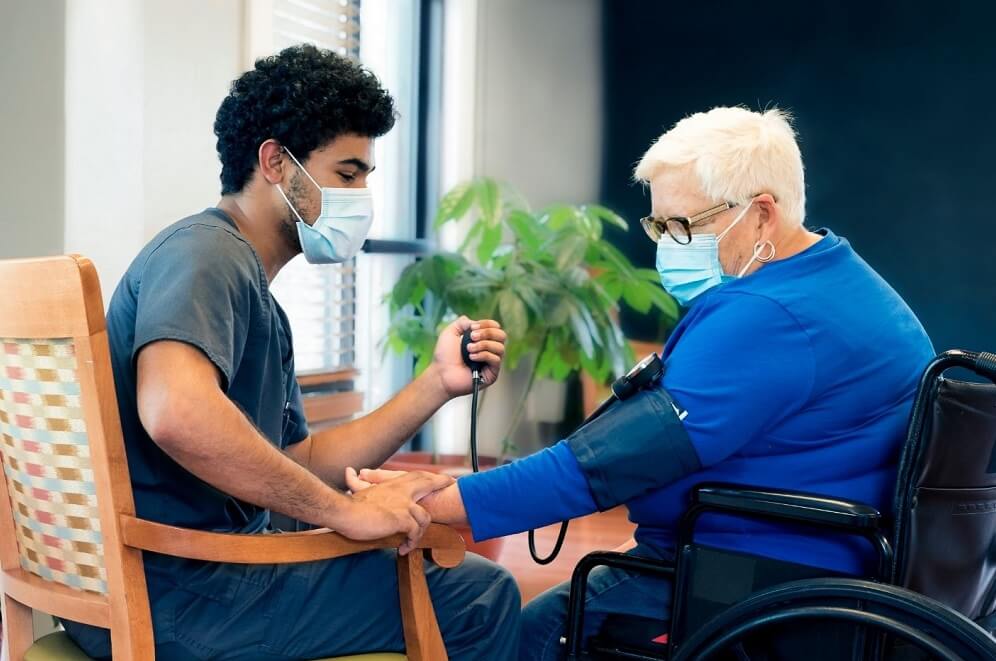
{"x":894,"y":109}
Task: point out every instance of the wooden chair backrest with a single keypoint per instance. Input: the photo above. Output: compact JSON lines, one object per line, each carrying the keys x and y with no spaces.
{"x":65,"y":479}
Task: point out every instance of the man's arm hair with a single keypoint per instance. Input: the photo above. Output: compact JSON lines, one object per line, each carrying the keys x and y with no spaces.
{"x":186,"y":413}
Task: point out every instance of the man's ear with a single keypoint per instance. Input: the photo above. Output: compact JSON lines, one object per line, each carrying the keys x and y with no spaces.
{"x":271,"y":161}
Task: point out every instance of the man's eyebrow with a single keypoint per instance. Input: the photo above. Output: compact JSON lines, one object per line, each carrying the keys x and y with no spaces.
{"x":362,"y":165}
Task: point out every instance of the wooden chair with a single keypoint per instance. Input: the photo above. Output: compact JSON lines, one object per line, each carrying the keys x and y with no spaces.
{"x":70,"y":543}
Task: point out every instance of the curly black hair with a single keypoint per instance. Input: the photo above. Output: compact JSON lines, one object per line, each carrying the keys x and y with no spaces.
{"x":304,"y":97}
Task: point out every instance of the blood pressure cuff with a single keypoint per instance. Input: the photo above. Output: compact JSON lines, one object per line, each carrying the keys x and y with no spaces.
{"x":636,"y":446}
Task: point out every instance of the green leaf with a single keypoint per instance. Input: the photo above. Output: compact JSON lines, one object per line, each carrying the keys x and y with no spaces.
{"x":526,"y":229}
{"x":455,"y":204}
{"x":489,"y":242}
{"x":488,"y":201}
{"x":439,"y":271}
{"x":616,"y":260}
{"x":401,"y":295}
{"x":611,"y":283}
{"x":561,"y":313}
{"x":561,"y":369}
{"x":594,"y":328}
{"x":664,"y":302}
{"x":513,"y":314}
{"x":587,"y":223}
{"x":530,"y":298}
{"x":558,"y":216}
{"x":423,"y":362}
{"x":569,"y":251}
{"x":606,"y":215}
{"x":582,"y":333}
{"x":472,"y":234}
{"x":637,"y":298}
{"x":395,"y":343}
{"x":598,"y":296}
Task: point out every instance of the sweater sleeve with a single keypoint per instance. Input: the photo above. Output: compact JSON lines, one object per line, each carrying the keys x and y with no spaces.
{"x":535,"y":491}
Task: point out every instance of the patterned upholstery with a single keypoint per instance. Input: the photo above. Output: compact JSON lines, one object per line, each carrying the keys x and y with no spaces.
{"x":46,"y":461}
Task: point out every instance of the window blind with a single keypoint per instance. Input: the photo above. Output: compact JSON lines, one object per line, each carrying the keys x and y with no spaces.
{"x":320,"y":301}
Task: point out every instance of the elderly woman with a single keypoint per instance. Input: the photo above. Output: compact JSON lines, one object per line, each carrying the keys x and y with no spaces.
{"x":795,"y":368}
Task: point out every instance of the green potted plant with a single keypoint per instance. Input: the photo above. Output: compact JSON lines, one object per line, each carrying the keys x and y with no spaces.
{"x":549,"y":276}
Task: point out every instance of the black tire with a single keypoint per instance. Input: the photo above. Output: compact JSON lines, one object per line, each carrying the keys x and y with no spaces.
{"x":923,"y":622}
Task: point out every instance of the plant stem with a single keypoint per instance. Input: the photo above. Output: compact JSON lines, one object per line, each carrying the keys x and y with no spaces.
{"x":521,"y":408}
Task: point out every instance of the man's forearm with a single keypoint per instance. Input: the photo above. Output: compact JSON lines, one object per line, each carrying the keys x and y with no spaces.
{"x":369,"y":441}
{"x":214,"y":441}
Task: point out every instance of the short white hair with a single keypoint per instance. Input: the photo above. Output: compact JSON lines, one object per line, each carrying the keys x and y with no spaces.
{"x":736,"y":154}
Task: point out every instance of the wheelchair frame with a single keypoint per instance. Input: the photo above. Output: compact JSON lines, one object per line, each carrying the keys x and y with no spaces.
{"x":879,"y":594}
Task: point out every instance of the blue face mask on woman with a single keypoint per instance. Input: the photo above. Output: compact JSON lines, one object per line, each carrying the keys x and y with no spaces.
{"x":689,"y":270}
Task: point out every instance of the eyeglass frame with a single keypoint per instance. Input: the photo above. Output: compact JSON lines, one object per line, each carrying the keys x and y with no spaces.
{"x":656,"y":228}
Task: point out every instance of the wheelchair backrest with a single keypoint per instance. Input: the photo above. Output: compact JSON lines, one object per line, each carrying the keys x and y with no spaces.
{"x":945,"y":507}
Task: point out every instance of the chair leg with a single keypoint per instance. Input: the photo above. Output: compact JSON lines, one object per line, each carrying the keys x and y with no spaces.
{"x":18,"y":627}
{"x":132,"y":639}
{"x":423,"y":640}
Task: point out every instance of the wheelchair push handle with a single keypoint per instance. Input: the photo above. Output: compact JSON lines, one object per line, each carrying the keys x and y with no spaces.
{"x":985,"y":365}
{"x":982,"y":363}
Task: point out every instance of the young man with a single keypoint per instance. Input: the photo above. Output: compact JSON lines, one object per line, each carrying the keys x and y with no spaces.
{"x":212,"y":413}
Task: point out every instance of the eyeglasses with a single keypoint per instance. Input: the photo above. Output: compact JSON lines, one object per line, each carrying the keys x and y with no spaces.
{"x":679,"y":228}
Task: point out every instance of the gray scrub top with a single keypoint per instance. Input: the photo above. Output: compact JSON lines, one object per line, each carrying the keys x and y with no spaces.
{"x":199,"y":281}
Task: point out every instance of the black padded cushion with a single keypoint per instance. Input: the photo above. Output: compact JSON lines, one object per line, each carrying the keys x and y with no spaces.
{"x":950,"y":542}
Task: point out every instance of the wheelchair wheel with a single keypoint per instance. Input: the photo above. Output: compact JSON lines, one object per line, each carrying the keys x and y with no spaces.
{"x":935,"y":630}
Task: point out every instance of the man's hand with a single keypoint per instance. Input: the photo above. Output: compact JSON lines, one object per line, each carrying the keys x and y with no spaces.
{"x":488,"y":347}
{"x":392,"y":507}
{"x":444,"y":505}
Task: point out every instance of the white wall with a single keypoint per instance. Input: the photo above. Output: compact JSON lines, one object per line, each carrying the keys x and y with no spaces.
{"x":193,"y":51}
{"x":104,"y":133}
{"x":522,"y":87}
{"x":143,"y":81}
{"x":539,"y":97}
{"x":31,"y":127}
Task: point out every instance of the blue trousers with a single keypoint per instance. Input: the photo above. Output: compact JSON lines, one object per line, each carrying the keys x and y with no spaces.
{"x":609,"y":591}
{"x":319,"y":609}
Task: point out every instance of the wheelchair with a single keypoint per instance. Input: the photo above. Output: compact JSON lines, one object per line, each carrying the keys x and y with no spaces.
{"x":932,"y":594}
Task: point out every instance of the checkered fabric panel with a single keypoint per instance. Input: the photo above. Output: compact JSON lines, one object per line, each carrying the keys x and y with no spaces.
{"x":46,"y":460}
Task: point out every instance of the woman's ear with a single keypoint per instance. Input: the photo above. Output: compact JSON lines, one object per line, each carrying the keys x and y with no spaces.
{"x":768,"y":213}
{"x":271,"y":161}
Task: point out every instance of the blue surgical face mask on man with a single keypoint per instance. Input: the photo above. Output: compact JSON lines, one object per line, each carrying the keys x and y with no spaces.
{"x":689,"y":270}
{"x":342,"y":226}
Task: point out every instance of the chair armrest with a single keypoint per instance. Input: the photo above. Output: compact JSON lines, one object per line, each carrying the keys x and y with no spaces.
{"x":445,"y":545}
{"x":787,"y":505}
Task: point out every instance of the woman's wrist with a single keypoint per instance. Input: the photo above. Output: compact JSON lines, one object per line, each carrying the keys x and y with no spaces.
{"x":446,"y":506}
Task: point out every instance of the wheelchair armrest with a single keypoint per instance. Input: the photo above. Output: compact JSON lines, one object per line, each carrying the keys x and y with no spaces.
{"x":787,"y":505}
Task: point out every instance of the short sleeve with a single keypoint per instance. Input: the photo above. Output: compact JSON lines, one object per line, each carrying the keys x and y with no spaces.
{"x":742,"y":366}
{"x":198,"y":286}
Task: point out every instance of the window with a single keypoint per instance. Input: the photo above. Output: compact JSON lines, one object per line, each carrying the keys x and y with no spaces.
{"x":326,"y":304}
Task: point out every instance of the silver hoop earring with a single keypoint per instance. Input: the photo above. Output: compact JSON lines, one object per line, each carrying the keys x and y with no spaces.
{"x":766,"y":245}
